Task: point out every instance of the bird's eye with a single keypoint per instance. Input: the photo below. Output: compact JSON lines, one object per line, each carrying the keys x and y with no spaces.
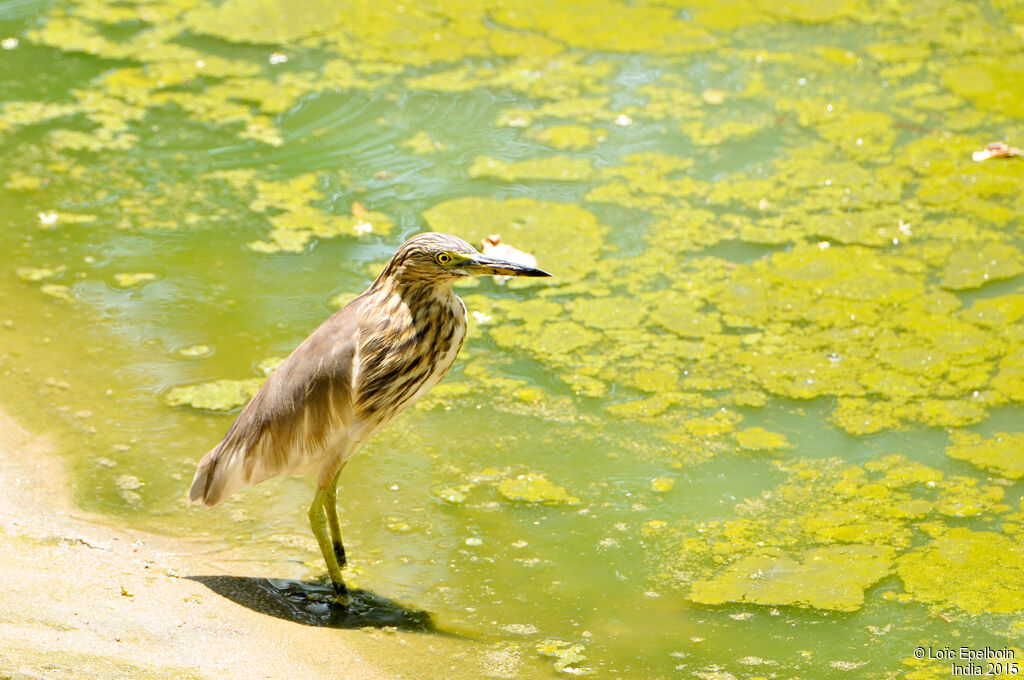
{"x":443,"y":258}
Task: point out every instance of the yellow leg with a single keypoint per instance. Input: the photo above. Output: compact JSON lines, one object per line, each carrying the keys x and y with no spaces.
{"x":331,"y":508}
{"x":318,"y":521}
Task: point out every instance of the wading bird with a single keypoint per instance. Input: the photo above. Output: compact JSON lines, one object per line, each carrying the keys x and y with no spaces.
{"x":358,"y":370}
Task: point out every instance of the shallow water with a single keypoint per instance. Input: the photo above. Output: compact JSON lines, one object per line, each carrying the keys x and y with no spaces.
{"x":775,"y":388}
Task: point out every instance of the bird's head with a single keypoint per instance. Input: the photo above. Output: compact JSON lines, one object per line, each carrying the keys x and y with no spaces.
{"x":441,"y":258}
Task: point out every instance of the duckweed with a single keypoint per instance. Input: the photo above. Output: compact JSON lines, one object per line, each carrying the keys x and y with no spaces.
{"x":267,"y":366}
{"x":194,"y":351}
{"x":218,"y":395}
{"x":529,"y":487}
{"x":554,"y":168}
{"x":975,"y":267}
{"x":1000,"y":453}
{"x":566,"y":137}
{"x":58,"y":291}
{"x":831,"y":577}
{"x":453,"y":494}
{"x":760,"y":439}
{"x":133,"y":279}
{"x":662,"y":484}
{"x":989,"y":82}
{"x":829,"y":297}
{"x":423,"y":143}
{"x":567,"y":655}
{"x":533,"y":487}
{"x":975,"y":571}
{"x":18,"y":181}
{"x":36,"y":274}
{"x":827,"y":533}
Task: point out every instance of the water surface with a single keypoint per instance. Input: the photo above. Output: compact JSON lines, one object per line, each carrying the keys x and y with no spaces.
{"x":765,"y":422}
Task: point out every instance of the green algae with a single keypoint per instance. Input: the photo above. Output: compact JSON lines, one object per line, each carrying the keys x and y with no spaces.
{"x":14,"y":115}
{"x":844,"y":288}
{"x":36,"y":274}
{"x":54,"y":219}
{"x":194,"y":351}
{"x":965,"y":497}
{"x":580,"y":109}
{"x":662,"y":484}
{"x":567,"y":655}
{"x":832,"y":577}
{"x":295,"y":219}
{"x":534,"y":487}
{"x":555,"y":339}
{"x":454,"y":494}
{"x":760,"y":439}
{"x":133,"y":279}
{"x":975,"y":267}
{"x":975,"y":571}
{"x":566,"y":137}
{"x":608,"y":312}
{"x":553,"y":168}
{"x":989,"y":82}
{"x":831,"y":530}
{"x":822,"y":504}
{"x":538,"y":76}
{"x":218,"y":395}
{"x":723,"y":132}
{"x":616,"y":26}
{"x":58,"y":291}
{"x":360,"y":46}
{"x":18,"y":181}
{"x":648,"y":407}
{"x":953,"y":359}
{"x":423,"y":143}
{"x":267,"y":366}
{"x":1000,"y":453}
{"x":528,"y":487}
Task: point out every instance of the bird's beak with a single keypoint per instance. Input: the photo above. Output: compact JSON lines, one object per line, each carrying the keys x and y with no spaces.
{"x":482,"y":265}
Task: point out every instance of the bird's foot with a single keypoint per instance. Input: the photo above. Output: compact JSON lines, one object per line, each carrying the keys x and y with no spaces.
{"x":341,"y":595}
{"x":336,"y":595}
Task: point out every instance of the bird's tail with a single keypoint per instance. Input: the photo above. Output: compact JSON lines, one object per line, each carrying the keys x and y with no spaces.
{"x":201,"y":482}
{"x":215,"y":479}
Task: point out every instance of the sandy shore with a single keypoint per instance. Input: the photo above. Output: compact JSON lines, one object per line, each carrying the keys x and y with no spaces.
{"x":81,"y":599}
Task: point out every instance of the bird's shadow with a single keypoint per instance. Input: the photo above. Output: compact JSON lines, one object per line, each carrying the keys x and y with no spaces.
{"x":309,"y":604}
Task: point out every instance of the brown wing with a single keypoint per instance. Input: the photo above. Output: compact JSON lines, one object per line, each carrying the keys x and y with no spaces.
{"x":304,"y":407}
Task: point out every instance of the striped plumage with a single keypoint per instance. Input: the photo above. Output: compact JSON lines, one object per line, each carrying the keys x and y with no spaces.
{"x":352,"y":375}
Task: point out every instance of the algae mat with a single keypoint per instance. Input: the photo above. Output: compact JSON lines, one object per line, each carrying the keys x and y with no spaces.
{"x":765,"y":422}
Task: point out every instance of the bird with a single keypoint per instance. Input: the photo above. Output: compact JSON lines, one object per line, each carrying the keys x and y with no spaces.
{"x":359,"y":369}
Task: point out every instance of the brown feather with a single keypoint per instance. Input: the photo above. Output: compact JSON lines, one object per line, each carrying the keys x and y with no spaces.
{"x":353,"y":374}
{"x":303,"y":405}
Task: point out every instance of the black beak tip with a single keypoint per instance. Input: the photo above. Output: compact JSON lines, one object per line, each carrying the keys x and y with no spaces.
{"x":489,"y":265}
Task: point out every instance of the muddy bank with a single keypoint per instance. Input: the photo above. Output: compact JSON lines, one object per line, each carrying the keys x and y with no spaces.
{"x":83,"y":599}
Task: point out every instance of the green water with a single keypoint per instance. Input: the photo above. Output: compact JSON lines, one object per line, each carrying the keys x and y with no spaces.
{"x":777,"y":267}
